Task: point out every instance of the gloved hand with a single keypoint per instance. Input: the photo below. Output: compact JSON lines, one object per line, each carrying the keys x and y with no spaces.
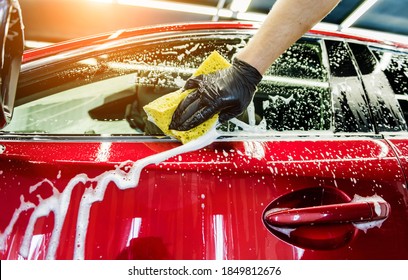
{"x":227,"y":92}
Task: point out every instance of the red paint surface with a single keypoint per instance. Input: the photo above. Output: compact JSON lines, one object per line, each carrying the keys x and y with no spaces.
{"x":190,"y":203}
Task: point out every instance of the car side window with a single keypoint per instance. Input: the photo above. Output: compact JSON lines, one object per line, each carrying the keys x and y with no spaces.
{"x":351,"y":110}
{"x":394,"y":65}
{"x":384,"y":108}
{"x":294,"y":94}
{"x":104,"y":93}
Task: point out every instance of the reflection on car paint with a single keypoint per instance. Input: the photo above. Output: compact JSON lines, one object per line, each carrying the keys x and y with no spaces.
{"x":103,"y":152}
{"x":254,"y":149}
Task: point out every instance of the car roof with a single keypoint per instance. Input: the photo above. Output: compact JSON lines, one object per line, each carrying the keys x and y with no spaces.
{"x":34,"y":54}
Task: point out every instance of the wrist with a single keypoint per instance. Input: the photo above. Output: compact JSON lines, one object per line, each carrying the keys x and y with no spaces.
{"x":251,"y":73}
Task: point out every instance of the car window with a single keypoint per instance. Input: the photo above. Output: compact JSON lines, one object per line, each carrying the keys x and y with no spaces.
{"x":351,"y":110}
{"x":394,"y":65}
{"x":295,"y":93}
{"x":383,"y":105}
{"x":105,"y":93}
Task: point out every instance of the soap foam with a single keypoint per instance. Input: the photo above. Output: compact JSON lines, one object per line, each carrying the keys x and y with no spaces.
{"x":364,"y":226}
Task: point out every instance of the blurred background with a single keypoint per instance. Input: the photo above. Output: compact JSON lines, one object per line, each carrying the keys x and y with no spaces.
{"x":57,"y":20}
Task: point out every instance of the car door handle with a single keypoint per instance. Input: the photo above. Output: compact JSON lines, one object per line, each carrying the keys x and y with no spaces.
{"x":352,"y":212}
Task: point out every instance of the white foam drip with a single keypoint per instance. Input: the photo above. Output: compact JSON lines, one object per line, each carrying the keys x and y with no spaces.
{"x":24,"y":206}
{"x":58,"y":202}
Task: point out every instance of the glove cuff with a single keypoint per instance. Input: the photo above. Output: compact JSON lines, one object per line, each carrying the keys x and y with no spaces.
{"x":248,"y":71}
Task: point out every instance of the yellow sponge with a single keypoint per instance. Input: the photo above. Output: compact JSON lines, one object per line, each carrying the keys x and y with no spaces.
{"x":160,"y":111}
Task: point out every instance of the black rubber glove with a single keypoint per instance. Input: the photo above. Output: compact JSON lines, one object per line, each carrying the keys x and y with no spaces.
{"x":227,"y":92}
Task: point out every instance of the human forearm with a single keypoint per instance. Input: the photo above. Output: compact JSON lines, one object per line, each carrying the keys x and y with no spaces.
{"x":287,"y":21}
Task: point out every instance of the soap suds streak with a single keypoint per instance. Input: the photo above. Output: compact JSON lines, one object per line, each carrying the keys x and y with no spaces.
{"x":24,"y":206}
{"x":58,"y":202}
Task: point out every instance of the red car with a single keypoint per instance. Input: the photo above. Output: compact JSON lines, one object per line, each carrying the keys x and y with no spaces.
{"x":315,"y":169}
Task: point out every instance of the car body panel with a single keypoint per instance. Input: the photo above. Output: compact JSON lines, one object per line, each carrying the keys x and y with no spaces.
{"x":400,"y":144}
{"x":205,"y":204}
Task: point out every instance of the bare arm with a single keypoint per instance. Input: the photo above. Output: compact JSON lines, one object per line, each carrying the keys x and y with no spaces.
{"x":287,"y":21}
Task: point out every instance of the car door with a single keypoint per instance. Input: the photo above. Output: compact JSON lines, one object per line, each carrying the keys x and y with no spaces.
{"x":86,"y":176}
